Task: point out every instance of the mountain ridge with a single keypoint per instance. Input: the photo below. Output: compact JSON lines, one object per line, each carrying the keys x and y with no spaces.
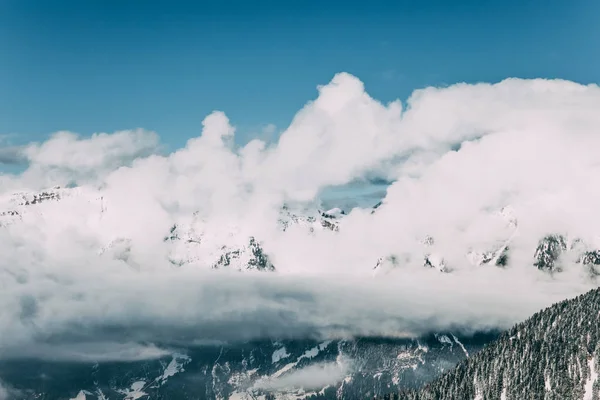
{"x":552,"y":355}
{"x":239,"y":250}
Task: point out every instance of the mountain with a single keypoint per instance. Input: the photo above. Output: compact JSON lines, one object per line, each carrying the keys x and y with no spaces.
{"x":191,"y":245}
{"x":555,"y":354}
{"x":285,"y":369}
{"x":550,"y":254}
{"x":192,"y":241}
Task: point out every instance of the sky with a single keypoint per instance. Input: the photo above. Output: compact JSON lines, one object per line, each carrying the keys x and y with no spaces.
{"x":103,"y":66}
{"x":155,"y":117}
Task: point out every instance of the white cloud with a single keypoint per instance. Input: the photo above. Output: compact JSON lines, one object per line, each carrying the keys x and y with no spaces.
{"x":4,"y":394}
{"x":457,"y":156}
{"x":88,"y":352}
{"x":314,"y":376}
{"x":68,"y":157}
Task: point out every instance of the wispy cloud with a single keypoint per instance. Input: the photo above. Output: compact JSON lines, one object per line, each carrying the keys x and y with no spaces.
{"x":314,"y":376}
{"x":12,"y":155}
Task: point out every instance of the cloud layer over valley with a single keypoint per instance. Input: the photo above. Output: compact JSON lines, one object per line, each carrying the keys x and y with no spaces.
{"x":126,"y":253}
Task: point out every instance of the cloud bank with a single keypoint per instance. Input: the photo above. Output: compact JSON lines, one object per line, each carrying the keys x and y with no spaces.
{"x":93,"y":267}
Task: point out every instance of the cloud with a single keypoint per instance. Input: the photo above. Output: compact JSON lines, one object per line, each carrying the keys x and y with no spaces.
{"x":176,"y":308}
{"x":88,"y":352}
{"x":67,"y":150}
{"x":5,"y":393}
{"x":68,"y":157}
{"x":12,"y":155}
{"x":455,"y":156}
{"x":314,"y":376}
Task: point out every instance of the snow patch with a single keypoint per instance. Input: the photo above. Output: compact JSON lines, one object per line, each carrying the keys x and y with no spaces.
{"x":135,"y":392}
{"x":444,"y":339}
{"x":80,"y":396}
{"x":279,"y":354}
{"x":461,"y":345}
{"x":592,"y":378}
{"x":283,"y":370}
{"x":174,"y":367}
{"x":547,"y":384}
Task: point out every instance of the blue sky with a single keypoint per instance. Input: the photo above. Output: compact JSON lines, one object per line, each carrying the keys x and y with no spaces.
{"x":90,"y":66}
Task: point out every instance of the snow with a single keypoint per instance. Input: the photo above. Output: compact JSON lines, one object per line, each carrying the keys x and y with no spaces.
{"x":311,"y":353}
{"x":80,"y":396}
{"x":174,"y":367}
{"x":509,"y":215}
{"x":444,"y":339}
{"x":279,"y":354}
{"x":478,"y":394}
{"x":100,"y":394}
{"x":245,"y":396}
{"x":283,"y":370}
{"x":437,"y":262}
{"x":135,"y":392}
{"x":239,"y":378}
{"x":195,"y":244}
{"x":461,"y":346}
{"x":422,"y":347}
{"x":589,"y":384}
{"x":335,"y":212}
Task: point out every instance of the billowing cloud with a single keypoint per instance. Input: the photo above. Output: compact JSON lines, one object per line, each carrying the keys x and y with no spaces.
{"x":68,"y":157}
{"x":94,"y":267}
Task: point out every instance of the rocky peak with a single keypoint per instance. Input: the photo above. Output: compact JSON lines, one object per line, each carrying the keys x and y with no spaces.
{"x":437,"y":262}
{"x":28,"y":198}
{"x":41,"y":197}
{"x":196,"y":242}
{"x":498,"y":257}
{"x":249,"y":257}
{"x":548,"y":252}
{"x":591,"y":261}
{"x":311,"y":220}
{"x":376,"y":206}
{"x":432,"y":260}
{"x":590,"y":258}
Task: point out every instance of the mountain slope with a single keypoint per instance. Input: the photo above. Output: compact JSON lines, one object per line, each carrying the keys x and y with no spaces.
{"x":285,"y":369}
{"x":553,"y":355}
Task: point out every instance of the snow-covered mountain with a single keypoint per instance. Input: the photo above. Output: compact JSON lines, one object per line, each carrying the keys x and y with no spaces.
{"x":194,"y":242}
{"x":338,"y":369}
{"x":191,"y":241}
{"x":550,"y":253}
{"x":266,"y":369}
